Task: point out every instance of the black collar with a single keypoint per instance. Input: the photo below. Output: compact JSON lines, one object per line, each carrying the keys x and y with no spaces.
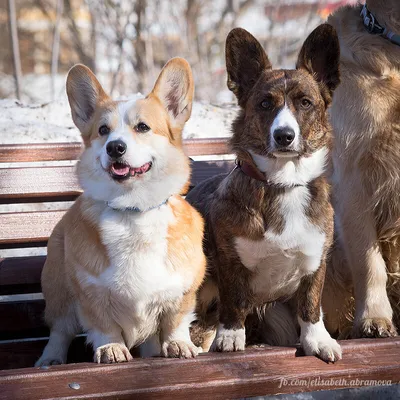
{"x":372,"y":26}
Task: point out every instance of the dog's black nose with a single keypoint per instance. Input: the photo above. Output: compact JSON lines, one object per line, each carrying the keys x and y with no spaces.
{"x":284,"y":136}
{"x":116,"y":148}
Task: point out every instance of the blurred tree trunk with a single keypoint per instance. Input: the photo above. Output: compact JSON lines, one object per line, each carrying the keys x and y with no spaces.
{"x":12,"y":19}
{"x":85,"y":57}
{"x":193,"y":8}
{"x":55,"y":51}
{"x":140,"y":46}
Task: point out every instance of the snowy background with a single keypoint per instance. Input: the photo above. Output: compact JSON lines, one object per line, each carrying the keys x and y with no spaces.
{"x":126,"y":43}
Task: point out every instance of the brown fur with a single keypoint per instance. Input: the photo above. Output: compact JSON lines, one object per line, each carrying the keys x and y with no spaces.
{"x":365,"y":117}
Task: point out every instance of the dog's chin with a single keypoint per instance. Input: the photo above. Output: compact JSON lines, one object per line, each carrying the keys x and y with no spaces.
{"x":285,"y":154}
{"x":121,"y":171}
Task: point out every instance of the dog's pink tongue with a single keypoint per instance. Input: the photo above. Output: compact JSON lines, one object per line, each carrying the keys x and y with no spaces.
{"x":120,"y":169}
{"x":141,"y":170}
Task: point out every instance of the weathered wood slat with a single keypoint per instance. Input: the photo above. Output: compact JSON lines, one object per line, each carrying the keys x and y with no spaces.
{"x":22,"y":319}
{"x":20,"y":275}
{"x":38,"y":184}
{"x":27,"y":228}
{"x":10,"y":153}
{"x":255,"y":372}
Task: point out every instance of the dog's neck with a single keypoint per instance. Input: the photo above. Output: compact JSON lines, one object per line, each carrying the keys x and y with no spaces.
{"x":374,"y":27}
{"x":250,"y":169}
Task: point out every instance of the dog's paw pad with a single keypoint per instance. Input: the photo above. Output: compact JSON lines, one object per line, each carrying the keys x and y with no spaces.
{"x":374,"y":328}
{"x":179,"y":349}
{"x":112,"y":353}
{"x":229,"y":340}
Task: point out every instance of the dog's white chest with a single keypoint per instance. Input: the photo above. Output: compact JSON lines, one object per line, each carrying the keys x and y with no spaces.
{"x":279,"y":261}
{"x":139,"y":283}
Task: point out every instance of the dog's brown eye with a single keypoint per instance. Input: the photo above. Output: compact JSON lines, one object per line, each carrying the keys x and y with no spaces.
{"x":142,"y":127}
{"x":305,"y":103}
{"x":266,"y":104}
{"x":104,"y":130}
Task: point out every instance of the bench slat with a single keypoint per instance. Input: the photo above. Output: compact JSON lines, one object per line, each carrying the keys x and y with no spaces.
{"x":17,"y":153}
{"x":27,"y":229}
{"x":255,"y":372}
{"x":38,"y":184}
{"x":19,"y":275}
{"x":10,"y":153}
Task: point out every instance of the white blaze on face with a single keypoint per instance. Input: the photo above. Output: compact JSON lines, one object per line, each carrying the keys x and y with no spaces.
{"x":137,"y":154}
{"x":285,"y":119}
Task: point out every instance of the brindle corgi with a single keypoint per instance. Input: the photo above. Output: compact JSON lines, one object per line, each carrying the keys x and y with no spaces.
{"x":269,"y":223}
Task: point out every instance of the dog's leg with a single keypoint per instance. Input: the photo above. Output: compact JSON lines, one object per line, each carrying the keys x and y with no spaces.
{"x":314,"y":337}
{"x":235,"y":305}
{"x":109,"y":347}
{"x":337,"y":294}
{"x":63,"y":331}
{"x":175,"y":333}
{"x":373,"y":316}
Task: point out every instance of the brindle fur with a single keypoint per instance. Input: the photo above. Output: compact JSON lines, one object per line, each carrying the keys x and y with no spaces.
{"x":236,"y":205}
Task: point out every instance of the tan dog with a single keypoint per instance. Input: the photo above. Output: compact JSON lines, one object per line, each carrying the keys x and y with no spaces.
{"x":366,"y":181}
{"x":126,"y":260}
{"x":269,"y":222}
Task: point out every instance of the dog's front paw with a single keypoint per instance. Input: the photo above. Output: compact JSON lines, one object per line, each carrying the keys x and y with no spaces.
{"x":323,"y":346}
{"x":179,"y":349}
{"x":112,"y":353}
{"x":229,"y":340}
{"x":374,"y":328}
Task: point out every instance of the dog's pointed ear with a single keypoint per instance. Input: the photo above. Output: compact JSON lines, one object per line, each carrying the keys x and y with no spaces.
{"x":175,"y":89}
{"x":320,"y":56}
{"x":84,"y":93}
{"x":245,"y":62}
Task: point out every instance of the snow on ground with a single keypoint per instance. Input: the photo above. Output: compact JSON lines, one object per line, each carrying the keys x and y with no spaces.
{"x":52,"y":122}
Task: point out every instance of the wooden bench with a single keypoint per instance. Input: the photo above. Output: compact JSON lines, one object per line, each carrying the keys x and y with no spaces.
{"x":23,"y":334}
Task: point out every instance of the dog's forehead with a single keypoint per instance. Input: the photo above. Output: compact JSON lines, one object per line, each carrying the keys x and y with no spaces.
{"x":127,"y":110}
{"x":287,"y":81}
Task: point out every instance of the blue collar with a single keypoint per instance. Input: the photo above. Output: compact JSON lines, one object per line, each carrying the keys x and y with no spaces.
{"x":136,"y":209}
{"x":373,"y":26}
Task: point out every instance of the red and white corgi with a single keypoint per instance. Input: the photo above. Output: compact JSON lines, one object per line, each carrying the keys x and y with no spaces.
{"x":269,"y":223}
{"x":125,"y":261}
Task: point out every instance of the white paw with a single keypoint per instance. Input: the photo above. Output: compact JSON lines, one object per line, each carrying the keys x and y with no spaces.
{"x":229,"y":340}
{"x":316,"y":341}
{"x":323,"y":346}
{"x":112,"y":353}
{"x":179,"y":349}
